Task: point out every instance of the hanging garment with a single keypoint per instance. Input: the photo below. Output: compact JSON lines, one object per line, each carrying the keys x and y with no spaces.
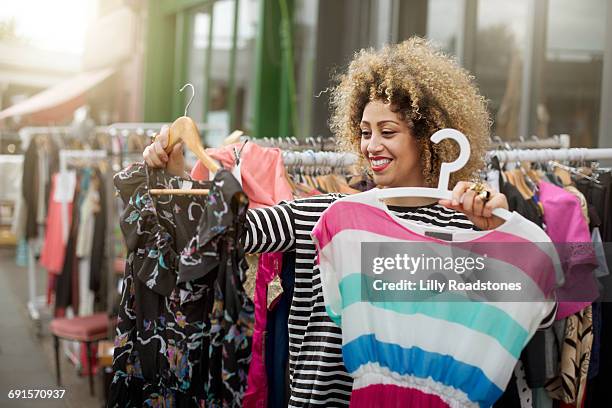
{"x":570,"y":385}
{"x":98,"y":245}
{"x":268,"y":268}
{"x":54,"y":246}
{"x":424,"y":366}
{"x":526,"y":207}
{"x":29,"y":186}
{"x":277,"y":339}
{"x":595,"y":349}
{"x":566,"y":226}
{"x":534,"y":367}
{"x":40,"y":161}
{"x":185,"y":324}
{"x":83,"y":249}
{"x":600,"y":196}
{"x":67,"y":284}
{"x":262,"y":169}
{"x":90,"y":201}
{"x":314,"y":340}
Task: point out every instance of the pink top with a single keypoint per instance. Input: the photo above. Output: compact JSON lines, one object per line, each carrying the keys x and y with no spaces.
{"x":262,"y":168}
{"x":566,"y":225}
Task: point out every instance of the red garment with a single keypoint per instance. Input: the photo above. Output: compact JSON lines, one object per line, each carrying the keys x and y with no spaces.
{"x":54,"y":247}
{"x":256,"y":394}
{"x":262,"y":169}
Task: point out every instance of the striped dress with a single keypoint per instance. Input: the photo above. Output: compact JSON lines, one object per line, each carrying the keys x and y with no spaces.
{"x":317,"y":373}
{"x":431,"y":353}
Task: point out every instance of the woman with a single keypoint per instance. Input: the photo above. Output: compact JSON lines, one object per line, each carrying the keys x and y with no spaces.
{"x":385,"y":107}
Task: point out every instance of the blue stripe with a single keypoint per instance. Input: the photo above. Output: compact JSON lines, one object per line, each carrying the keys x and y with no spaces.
{"x":420,"y":363}
{"x":492,"y":321}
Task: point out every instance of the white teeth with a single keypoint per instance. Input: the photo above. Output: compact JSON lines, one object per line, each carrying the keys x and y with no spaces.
{"x":381,"y":162}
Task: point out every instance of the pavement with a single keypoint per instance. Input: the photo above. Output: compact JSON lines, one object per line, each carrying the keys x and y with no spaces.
{"x":27,"y":360}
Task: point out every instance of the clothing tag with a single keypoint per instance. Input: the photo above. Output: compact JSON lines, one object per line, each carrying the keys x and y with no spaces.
{"x":236,"y":173}
{"x":64,"y":190}
{"x":187,"y":184}
{"x":440,"y":235}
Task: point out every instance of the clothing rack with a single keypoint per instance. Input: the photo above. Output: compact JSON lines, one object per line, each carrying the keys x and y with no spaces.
{"x":148,"y":128}
{"x":555,"y":142}
{"x":546,"y":155}
{"x":26,"y":133}
{"x":292,"y":143}
{"x":11,"y":158}
{"x":38,"y":303}
{"x":311,"y":158}
{"x":64,"y":157}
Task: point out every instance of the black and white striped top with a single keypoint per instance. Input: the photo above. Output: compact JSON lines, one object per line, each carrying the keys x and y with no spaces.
{"x":318,"y":376}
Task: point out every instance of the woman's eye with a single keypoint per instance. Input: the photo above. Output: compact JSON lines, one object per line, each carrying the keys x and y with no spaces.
{"x":365,"y":133}
{"x":388,"y":133}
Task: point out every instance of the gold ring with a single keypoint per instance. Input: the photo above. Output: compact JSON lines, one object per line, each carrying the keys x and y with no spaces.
{"x":481,"y":191}
{"x":478,"y":187}
{"x":485,"y":195}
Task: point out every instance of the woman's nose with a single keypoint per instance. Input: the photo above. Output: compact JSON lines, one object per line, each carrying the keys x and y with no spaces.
{"x":375,"y":145}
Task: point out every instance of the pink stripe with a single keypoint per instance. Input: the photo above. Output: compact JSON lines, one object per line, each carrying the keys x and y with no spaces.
{"x":344,"y":215}
{"x":388,"y":396}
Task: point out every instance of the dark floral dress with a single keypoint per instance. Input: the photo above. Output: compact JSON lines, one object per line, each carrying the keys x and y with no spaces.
{"x":185,"y":323}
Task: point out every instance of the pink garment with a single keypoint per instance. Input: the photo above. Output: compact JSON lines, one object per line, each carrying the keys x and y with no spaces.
{"x":262,"y":169}
{"x":54,"y":247}
{"x":256,"y":394}
{"x":389,"y":395}
{"x":565,"y":225}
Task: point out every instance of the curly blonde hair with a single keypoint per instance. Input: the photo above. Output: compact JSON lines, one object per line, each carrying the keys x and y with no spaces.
{"x":427,"y":89}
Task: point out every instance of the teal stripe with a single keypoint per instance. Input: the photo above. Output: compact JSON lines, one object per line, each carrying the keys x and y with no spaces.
{"x":335,"y":318}
{"x":491,"y":320}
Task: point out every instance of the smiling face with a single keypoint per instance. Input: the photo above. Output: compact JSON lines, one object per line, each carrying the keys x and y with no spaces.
{"x":389,"y":145}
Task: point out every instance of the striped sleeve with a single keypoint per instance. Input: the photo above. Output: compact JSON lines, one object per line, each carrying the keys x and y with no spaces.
{"x":285,"y":226}
{"x":270,"y":229}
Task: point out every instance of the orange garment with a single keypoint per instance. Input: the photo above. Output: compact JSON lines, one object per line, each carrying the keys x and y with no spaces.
{"x":262,"y":169}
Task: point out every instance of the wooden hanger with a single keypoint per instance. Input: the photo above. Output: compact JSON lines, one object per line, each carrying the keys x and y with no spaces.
{"x":185,"y":129}
{"x":234,"y":137}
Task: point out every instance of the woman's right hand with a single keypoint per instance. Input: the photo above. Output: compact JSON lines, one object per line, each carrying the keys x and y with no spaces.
{"x":155,"y":156}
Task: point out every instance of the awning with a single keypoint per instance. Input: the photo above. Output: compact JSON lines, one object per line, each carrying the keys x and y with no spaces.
{"x":60,"y":99}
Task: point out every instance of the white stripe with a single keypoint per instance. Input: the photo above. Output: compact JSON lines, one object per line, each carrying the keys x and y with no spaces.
{"x":432,"y":335}
{"x":263,"y":237}
{"x":280,"y":226}
{"x":272,"y":235}
{"x":306,"y":371}
{"x":325,"y":392}
{"x":328,"y":346}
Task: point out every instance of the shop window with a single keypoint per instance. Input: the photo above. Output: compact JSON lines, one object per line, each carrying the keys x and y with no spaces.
{"x":499,"y":51}
{"x":213,"y":103}
{"x":572,"y":72}
{"x":443,"y":17}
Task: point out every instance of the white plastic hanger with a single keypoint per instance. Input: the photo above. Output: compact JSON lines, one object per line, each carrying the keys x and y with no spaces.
{"x":442,"y":192}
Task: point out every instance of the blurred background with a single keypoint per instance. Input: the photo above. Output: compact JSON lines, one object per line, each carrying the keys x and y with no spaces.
{"x":99,"y":77}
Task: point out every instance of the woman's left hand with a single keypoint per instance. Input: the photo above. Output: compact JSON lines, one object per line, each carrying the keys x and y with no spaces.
{"x":474,"y":207}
